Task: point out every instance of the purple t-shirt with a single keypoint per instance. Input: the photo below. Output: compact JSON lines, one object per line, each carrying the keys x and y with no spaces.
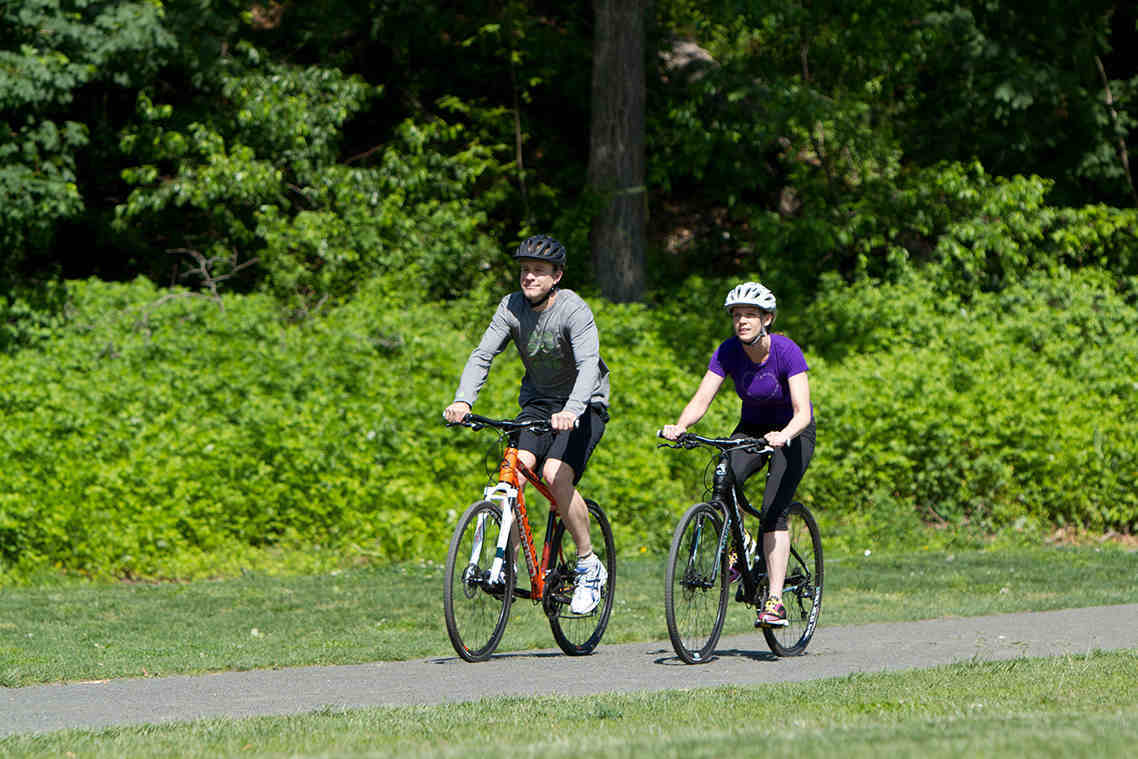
{"x":764,"y":388}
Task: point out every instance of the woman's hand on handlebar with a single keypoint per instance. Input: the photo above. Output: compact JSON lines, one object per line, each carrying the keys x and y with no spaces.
{"x":776,"y":439}
{"x":672,"y":431}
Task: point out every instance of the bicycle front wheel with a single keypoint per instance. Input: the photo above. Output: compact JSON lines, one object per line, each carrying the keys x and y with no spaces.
{"x":802,"y":591}
{"x":477,"y":609}
{"x":696,"y":584}
{"x":579,"y":634}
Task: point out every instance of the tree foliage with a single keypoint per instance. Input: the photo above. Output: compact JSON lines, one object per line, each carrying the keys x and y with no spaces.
{"x":824,"y":129}
{"x":790,"y":130}
{"x":308,"y":207}
{"x":57,"y":59}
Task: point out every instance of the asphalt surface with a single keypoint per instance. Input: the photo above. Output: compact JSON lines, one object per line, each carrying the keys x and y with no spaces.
{"x":740,"y":660}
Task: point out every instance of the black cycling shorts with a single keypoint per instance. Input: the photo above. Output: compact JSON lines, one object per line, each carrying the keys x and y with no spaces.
{"x":573,"y":447}
{"x":788,"y":465}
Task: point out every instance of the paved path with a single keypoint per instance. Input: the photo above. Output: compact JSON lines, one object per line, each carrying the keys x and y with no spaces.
{"x":744,"y":659}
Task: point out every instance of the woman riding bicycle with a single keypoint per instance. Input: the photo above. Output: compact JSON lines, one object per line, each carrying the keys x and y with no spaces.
{"x":566,"y":384}
{"x":769,"y":372}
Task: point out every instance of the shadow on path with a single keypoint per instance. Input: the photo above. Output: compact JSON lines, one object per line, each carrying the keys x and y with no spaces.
{"x":740,"y":660}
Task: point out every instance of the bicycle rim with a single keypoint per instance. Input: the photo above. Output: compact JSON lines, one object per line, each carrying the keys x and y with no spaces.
{"x":802,"y":591}
{"x":476,"y":611}
{"x":579,"y":634}
{"x":695,"y":588}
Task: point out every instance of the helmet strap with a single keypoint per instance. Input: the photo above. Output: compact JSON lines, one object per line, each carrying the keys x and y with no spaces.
{"x":541,"y":301}
{"x":758,"y":337}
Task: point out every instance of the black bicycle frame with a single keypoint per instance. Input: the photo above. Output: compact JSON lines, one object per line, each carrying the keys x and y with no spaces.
{"x":728,"y":493}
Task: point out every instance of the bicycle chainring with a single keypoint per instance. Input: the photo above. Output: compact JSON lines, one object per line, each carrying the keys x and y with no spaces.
{"x":555,"y":596}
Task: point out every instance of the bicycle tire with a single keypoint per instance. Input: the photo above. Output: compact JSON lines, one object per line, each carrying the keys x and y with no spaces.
{"x":695,"y":598}
{"x":476,"y":614}
{"x":802,"y":591}
{"x":579,"y":634}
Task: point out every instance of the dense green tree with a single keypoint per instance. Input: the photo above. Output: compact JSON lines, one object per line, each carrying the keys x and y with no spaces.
{"x":812,"y":137}
{"x":1025,"y":88}
{"x":228,"y":132}
{"x":64,"y":64}
{"x":261,"y":185}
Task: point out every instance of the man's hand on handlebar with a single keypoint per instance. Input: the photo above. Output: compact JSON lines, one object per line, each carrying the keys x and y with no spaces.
{"x":456,"y":412}
{"x":563,"y":421}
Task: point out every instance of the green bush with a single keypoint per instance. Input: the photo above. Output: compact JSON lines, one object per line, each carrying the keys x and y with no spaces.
{"x":1019,"y":407}
{"x":152,"y":433}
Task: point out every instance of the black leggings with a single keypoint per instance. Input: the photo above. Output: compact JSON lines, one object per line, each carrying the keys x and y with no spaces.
{"x":788,"y":465}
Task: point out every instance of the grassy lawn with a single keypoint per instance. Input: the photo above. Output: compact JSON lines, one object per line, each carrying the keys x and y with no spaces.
{"x":81,"y":631}
{"x":1070,"y":707}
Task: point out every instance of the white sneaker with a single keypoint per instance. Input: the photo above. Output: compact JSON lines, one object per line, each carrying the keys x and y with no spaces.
{"x":591,"y":577}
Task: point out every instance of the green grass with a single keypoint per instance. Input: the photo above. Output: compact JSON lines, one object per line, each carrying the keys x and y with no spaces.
{"x":1070,"y":707}
{"x":83,"y":631}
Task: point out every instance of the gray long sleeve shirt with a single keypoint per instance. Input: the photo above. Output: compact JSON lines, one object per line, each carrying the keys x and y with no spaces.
{"x":559,"y":347}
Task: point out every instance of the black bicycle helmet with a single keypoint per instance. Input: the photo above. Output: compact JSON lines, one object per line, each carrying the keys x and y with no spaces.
{"x":542,"y":248}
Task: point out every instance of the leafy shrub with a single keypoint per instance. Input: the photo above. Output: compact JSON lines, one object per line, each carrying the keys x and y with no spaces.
{"x":1017,"y":408}
{"x":1011,"y":231}
{"x":159,"y":434}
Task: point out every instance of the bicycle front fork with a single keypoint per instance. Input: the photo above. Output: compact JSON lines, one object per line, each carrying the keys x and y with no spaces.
{"x":505,"y":495}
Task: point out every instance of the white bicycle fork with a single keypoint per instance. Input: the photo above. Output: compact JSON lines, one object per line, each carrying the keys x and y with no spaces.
{"x":506,"y":495}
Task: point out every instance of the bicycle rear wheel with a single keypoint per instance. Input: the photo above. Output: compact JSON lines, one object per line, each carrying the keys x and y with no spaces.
{"x":579,"y":634}
{"x":476,"y":610}
{"x":802,"y":591}
{"x":696,"y":584}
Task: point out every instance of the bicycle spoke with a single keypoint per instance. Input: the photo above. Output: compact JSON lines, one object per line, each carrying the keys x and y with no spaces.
{"x":579,"y":634}
{"x":695,"y":591}
{"x":476,"y":610}
{"x":802,"y":590}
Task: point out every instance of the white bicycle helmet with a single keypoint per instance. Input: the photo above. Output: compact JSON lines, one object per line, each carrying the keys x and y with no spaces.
{"x":750,"y":294}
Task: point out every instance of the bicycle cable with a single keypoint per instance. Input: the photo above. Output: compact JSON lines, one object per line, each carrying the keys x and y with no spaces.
{"x":492,"y":461}
{"x":709,"y":477}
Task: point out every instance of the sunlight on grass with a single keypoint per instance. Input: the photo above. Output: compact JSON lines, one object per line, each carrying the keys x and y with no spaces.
{"x":85,"y":631}
{"x":992,"y":709}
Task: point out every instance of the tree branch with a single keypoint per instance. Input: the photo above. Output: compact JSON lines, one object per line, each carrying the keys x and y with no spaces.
{"x":211,"y":279}
{"x":1122,"y":153}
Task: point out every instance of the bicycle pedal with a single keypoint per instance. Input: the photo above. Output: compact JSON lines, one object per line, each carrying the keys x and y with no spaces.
{"x":741,"y":596}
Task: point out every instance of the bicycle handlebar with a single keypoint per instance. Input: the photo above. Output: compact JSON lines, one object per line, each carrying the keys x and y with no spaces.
{"x":476,"y":422}
{"x":689,"y":440}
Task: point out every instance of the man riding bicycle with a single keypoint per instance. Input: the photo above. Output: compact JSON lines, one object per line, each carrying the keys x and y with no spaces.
{"x":566,"y":384}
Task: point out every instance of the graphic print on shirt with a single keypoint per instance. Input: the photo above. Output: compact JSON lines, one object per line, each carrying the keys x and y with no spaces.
{"x":759,"y":383}
{"x":542,"y":349}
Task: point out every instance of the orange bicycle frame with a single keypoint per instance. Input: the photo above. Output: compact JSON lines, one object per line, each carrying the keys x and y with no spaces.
{"x":508,"y":471}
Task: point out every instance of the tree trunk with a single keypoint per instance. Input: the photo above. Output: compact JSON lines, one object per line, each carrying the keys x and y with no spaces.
{"x":616,"y":148}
